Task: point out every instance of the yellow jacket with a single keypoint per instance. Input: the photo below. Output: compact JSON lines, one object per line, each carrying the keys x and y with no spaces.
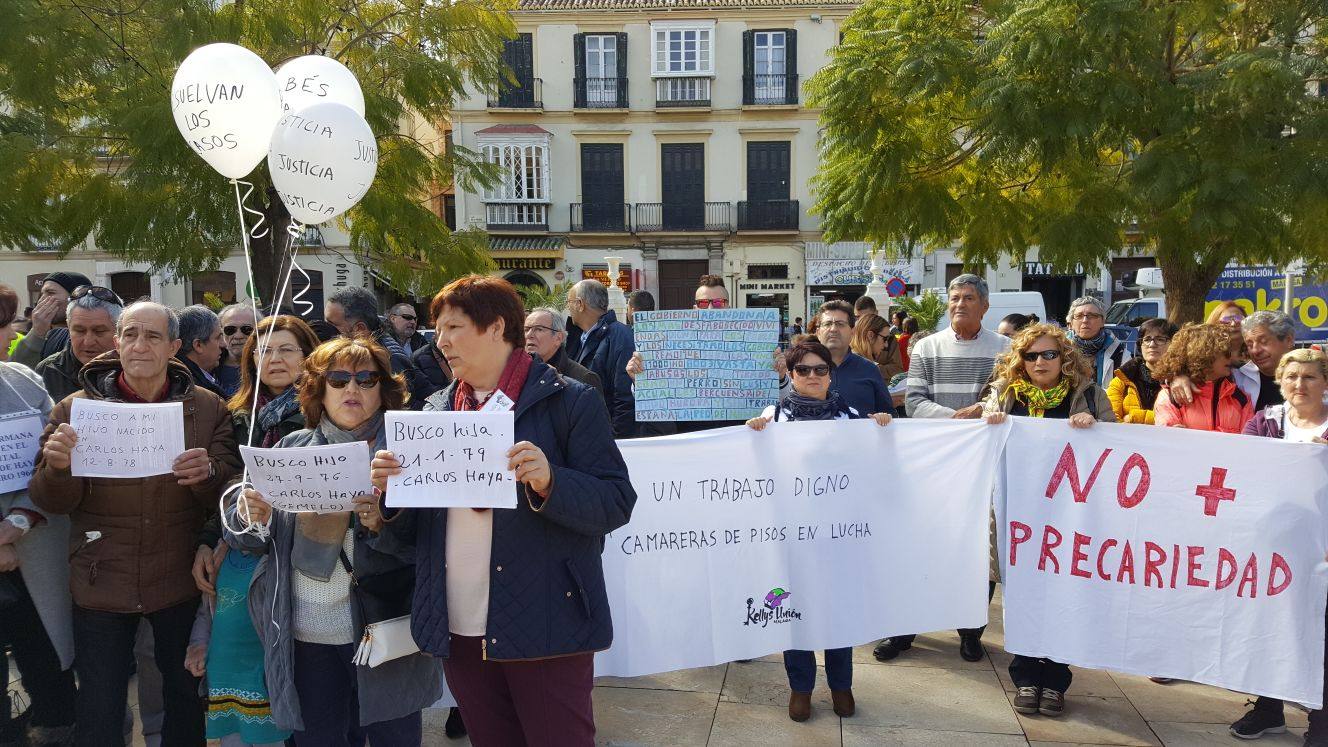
{"x":1124,"y":396}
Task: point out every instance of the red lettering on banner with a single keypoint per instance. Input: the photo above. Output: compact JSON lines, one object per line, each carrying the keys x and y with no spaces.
{"x":1195,"y":553}
{"x":1175,"y":564}
{"x":1126,"y":564}
{"x":1215,"y":492}
{"x":1047,"y":547}
{"x":1226,"y":568}
{"x":1066,"y":466}
{"x":1279,"y":564}
{"x":1015,"y":539}
{"x":1077,"y":555}
{"x":1102,"y":553}
{"x":1154,"y":556}
{"x":1135,"y":497}
{"x":1249,"y":576}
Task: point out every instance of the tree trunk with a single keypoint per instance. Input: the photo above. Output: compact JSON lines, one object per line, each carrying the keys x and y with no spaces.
{"x":1187,"y":281}
{"x":269,"y":255}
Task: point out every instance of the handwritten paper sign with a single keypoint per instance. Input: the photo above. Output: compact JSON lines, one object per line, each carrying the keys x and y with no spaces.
{"x":705,"y":364}
{"x":321,"y":479}
{"x":119,"y":439}
{"x":20,"y":434}
{"x":451,"y":459}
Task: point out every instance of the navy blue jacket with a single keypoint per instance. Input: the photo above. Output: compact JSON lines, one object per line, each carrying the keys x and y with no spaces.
{"x":548,"y":599}
{"x":859,"y":382}
{"x":607,"y":349}
{"x":426,"y":375}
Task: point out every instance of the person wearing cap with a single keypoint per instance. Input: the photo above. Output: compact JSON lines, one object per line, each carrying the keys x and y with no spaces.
{"x":47,"y":333}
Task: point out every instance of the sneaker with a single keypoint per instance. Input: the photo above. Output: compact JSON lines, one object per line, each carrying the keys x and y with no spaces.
{"x":889,"y":648}
{"x":1258,"y":722}
{"x":1052,"y":703}
{"x":1026,"y":700}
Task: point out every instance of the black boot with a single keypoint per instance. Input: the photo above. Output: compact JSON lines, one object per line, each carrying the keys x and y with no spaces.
{"x":455,"y":728}
{"x":889,"y":648}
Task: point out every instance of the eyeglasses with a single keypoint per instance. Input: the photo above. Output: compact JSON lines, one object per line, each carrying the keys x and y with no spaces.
{"x":1085,"y":316}
{"x":539,"y":328}
{"x":231,"y":329}
{"x":820,"y":370}
{"x":834,"y":324}
{"x":285,"y":351}
{"x":407,"y":317}
{"x":1231,"y":320}
{"x":711,"y":303}
{"x":97,"y":292}
{"x":363,"y":379}
{"x":1155,"y":340}
{"x":1046,"y":355}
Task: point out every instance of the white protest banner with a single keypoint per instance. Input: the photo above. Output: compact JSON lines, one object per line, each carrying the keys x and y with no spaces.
{"x":808,"y":535}
{"x":705,"y":364}
{"x":451,"y":459}
{"x":321,"y":479}
{"x":120,"y":439}
{"x":20,"y":435}
{"x":1167,"y":552}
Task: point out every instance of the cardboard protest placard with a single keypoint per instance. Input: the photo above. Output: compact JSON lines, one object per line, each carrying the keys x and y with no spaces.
{"x":20,"y":434}
{"x":451,"y":459}
{"x":321,"y":479}
{"x":705,"y":364}
{"x":120,"y":439}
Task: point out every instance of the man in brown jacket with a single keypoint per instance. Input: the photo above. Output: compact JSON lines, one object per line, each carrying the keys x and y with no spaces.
{"x":139,"y":565}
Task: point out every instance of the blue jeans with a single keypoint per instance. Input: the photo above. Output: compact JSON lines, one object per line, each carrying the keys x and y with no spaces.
{"x":801,"y":669}
{"x":326,"y":684}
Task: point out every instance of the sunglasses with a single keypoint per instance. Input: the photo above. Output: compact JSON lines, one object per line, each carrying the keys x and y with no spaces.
{"x":820,"y":370}
{"x":231,"y":329}
{"x":97,"y":292}
{"x":407,"y":317}
{"x":363,"y":379}
{"x":1046,"y":355}
{"x":706,"y":303}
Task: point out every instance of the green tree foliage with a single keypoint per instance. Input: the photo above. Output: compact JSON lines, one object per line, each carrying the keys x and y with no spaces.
{"x":927,"y":308}
{"x":534,"y":296}
{"x":1184,"y":127}
{"x":88,"y":145}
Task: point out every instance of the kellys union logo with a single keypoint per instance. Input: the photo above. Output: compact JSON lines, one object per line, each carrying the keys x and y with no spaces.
{"x":772,"y":610}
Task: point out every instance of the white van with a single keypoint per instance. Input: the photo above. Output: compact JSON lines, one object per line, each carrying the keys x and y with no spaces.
{"x":1004,"y":303}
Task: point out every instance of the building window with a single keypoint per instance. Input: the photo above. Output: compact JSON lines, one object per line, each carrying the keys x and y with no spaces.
{"x":601,"y":71}
{"x":770,"y":67}
{"x":681,"y":49}
{"x":521,"y":198}
{"x":219,"y":284}
{"x":767,"y":272}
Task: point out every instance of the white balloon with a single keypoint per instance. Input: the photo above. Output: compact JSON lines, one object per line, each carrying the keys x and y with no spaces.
{"x":314,"y":79}
{"x":225,"y":102}
{"x":322,"y":160}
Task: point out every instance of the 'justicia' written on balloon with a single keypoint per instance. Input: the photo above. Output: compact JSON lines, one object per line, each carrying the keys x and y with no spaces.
{"x":297,"y":122}
{"x":304,"y":166}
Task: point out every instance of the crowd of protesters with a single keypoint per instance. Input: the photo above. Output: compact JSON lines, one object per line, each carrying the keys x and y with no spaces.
{"x":241,"y":624}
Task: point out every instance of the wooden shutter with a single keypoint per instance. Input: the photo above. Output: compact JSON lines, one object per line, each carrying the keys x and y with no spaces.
{"x":579,"y":68}
{"x":791,"y":66}
{"x":622,"y":69}
{"x":748,"y":67}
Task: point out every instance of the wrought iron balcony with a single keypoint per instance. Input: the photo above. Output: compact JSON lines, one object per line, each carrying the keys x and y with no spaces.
{"x":516,"y":216}
{"x":682,"y":92}
{"x":768,"y":215}
{"x":524,"y":94}
{"x":693,"y":216}
{"x":604,"y":217}
{"x":769,"y":90}
{"x":600,"y":93}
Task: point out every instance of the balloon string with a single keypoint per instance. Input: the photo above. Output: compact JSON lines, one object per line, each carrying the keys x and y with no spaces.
{"x":259,"y":230}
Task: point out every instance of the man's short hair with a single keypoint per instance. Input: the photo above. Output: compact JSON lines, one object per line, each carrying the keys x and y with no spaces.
{"x":172,"y":318}
{"x":396,"y":308}
{"x":970,"y":279}
{"x":864,"y":303}
{"x":593,"y":293}
{"x":641,"y":301}
{"x":711,"y":281}
{"x":92,"y":303}
{"x":230,"y":307}
{"x":1276,"y":322}
{"x":1093,"y":301}
{"x":197,"y":324}
{"x":836,"y":305}
{"x":555,"y":319}
{"x":359,"y":305}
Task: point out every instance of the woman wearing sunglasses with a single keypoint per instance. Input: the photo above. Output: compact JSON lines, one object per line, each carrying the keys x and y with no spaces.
{"x":1044,"y":375}
{"x":809,"y":364}
{"x":311,"y":618}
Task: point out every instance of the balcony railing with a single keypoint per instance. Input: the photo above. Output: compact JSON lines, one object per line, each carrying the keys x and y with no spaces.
{"x":524,"y":94}
{"x":769,"y":90}
{"x":605,"y":217}
{"x":600,"y":93}
{"x":693,"y":216}
{"x":768,"y":215}
{"x":517,"y":216}
{"x":682,"y":92}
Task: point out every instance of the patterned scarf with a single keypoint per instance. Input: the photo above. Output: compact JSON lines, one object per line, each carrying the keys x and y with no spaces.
{"x":1094,"y":349}
{"x":800,"y":407}
{"x":273,"y":410}
{"x":1038,"y":400}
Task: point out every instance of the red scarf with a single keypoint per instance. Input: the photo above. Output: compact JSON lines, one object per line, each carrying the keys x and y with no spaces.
{"x":510,"y":383}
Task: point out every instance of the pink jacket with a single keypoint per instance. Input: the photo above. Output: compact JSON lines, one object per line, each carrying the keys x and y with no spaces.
{"x":1229,"y":413}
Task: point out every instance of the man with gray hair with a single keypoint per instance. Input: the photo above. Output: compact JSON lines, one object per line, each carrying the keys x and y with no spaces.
{"x":402,"y":322}
{"x":91,"y":316}
{"x":545,"y":335}
{"x":1269,"y":335}
{"x":354,"y":311}
{"x":237,"y":324}
{"x":605,"y":347}
{"x":201,"y":346}
{"x":1087,"y":320}
{"x":947,"y":372}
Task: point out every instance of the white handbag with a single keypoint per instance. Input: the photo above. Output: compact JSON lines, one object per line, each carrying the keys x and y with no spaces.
{"x":385,"y":641}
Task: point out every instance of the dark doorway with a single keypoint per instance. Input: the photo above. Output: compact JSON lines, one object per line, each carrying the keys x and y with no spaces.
{"x":767,"y":171}
{"x":602,"y":186}
{"x":1057,"y":292}
{"x":677,"y":281}
{"x":518,"y":54}
{"x":131,"y":286}
{"x":682,"y":177}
